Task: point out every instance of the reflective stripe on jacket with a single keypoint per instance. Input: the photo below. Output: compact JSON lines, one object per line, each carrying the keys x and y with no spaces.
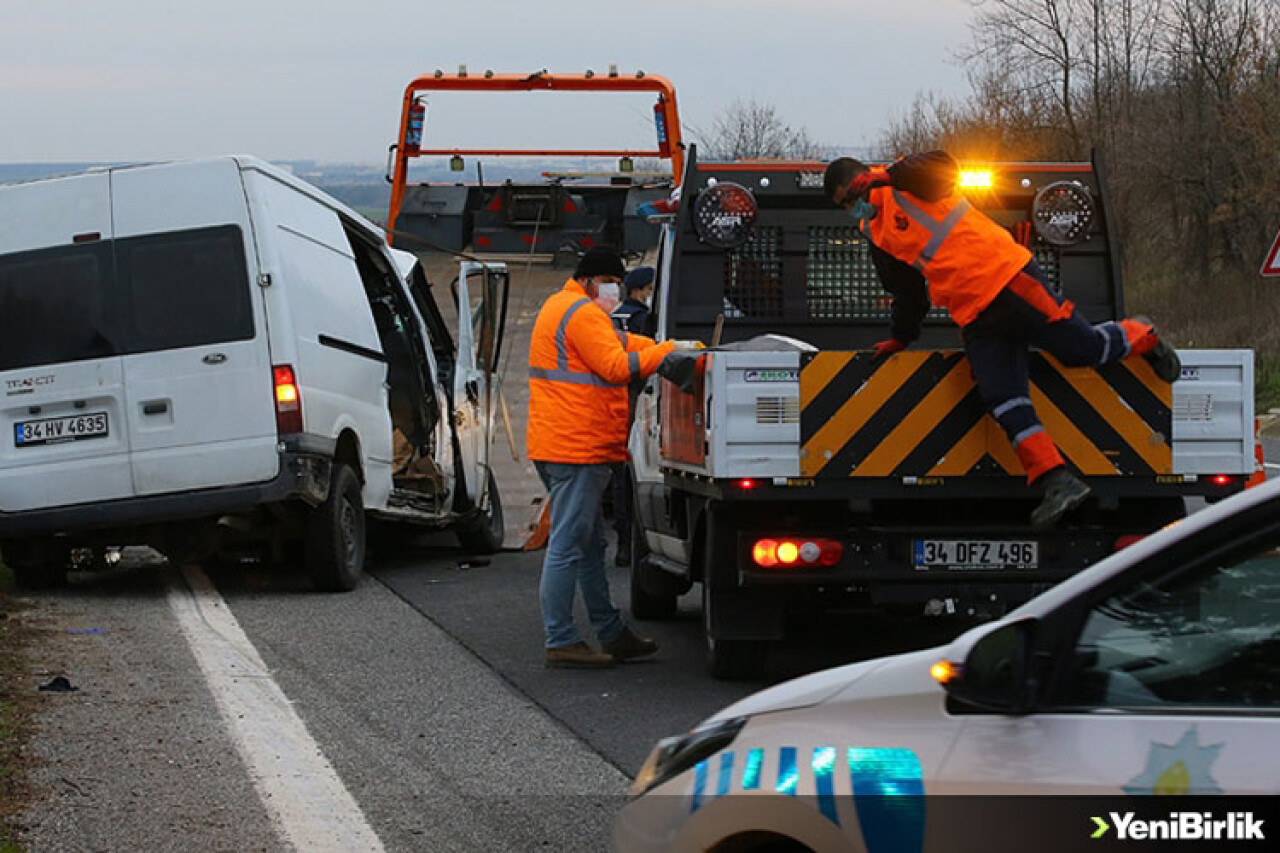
{"x":966,"y":257}
{"x":579,"y":368}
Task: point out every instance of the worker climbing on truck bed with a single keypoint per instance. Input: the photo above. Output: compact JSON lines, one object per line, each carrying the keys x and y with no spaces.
{"x":929,"y":244}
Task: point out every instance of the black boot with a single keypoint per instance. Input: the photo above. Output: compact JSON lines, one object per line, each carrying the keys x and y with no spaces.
{"x":1063,"y":492}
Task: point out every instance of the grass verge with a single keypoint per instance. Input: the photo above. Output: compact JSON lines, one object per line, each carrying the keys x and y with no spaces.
{"x":15,"y":709}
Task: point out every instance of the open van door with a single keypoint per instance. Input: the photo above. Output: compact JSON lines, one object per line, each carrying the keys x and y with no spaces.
{"x":481,"y":293}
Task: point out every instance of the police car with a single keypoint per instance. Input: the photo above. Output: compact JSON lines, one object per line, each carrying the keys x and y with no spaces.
{"x":1156,"y":671}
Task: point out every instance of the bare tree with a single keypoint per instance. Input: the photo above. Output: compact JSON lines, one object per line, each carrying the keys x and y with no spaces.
{"x":749,"y":129}
{"x":1034,"y":45}
{"x":1180,"y":96}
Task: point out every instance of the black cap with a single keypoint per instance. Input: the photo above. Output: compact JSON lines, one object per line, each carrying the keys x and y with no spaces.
{"x":600,"y":261}
{"x":638,"y":278}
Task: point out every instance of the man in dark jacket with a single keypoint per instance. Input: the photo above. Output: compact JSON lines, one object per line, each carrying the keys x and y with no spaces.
{"x":629,"y":317}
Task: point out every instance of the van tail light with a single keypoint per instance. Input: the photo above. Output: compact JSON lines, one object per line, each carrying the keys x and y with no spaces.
{"x":288,"y":400}
{"x":796,"y":553}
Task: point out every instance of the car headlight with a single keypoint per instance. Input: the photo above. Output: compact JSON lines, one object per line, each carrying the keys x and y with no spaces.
{"x":674,"y":755}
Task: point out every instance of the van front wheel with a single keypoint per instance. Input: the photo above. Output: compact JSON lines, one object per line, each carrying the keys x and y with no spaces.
{"x":482,"y":532}
{"x":336,"y":534}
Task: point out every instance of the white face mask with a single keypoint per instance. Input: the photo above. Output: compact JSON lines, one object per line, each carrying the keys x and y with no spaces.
{"x":608,"y":296}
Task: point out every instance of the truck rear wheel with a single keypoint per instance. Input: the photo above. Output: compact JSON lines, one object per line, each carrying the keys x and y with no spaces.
{"x":728,"y":658}
{"x":482,"y":533}
{"x":654,"y":593}
{"x":335,"y":538}
{"x":731,"y":652}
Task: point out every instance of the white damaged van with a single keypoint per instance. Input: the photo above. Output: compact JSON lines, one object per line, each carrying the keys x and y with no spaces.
{"x":210,"y":355}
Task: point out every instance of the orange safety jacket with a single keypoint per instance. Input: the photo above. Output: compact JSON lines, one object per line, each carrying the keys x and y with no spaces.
{"x":580,"y":365}
{"x":965,"y":256}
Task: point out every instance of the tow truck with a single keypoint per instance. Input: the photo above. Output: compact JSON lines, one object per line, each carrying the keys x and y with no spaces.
{"x":547,"y":219}
{"x":794,"y":473}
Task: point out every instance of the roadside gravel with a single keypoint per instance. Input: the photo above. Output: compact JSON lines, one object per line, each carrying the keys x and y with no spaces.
{"x":136,"y":758}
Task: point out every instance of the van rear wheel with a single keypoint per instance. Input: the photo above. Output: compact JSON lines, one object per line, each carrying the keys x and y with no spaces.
{"x":335,"y":539}
{"x":38,"y":564}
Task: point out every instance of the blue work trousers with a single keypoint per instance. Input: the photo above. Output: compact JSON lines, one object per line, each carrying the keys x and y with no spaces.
{"x":575,"y":553}
{"x":998,"y":342}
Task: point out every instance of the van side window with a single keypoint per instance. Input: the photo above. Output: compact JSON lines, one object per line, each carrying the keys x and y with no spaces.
{"x":135,"y":295}
{"x":57,"y":305}
{"x":186,"y":288}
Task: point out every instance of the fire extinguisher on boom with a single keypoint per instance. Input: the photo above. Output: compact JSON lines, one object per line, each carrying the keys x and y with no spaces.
{"x":413,"y":132}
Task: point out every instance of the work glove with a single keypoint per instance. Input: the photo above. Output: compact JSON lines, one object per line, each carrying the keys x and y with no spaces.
{"x":863,"y":182}
{"x":689,"y":346}
{"x":884,"y":349}
{"x":681,"y":369}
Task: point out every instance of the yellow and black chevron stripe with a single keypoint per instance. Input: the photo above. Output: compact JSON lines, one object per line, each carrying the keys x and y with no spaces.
{"x":919,"y":414}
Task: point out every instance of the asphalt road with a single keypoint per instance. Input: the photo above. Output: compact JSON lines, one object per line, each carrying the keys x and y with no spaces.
{"x":492,"y":610}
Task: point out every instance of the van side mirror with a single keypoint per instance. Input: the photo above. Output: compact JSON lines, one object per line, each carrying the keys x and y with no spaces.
{"x":996,"y":674}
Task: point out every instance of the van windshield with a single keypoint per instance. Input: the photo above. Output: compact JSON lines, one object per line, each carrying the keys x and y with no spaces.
{"x":123,"y":297}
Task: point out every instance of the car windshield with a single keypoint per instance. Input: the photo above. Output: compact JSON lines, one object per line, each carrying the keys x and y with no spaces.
{"x":1204,"y":635}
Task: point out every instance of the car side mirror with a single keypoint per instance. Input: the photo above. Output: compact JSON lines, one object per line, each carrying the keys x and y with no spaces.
{"x":996,"y":673}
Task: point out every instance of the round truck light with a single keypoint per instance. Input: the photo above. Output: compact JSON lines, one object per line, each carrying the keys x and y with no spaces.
{"x":765,"y":553}
{"x":772,"y":553}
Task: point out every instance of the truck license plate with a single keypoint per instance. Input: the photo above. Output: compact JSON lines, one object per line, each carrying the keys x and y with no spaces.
{"x":58,"y":430}
{"x":976,"y":554}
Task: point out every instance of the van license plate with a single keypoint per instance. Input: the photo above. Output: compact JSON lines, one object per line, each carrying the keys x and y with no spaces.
{"x":59,"y":430}
{"x":963,"y":554}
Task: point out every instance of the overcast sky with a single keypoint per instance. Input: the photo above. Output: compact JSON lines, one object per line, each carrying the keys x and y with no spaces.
{"x":113,"y":80}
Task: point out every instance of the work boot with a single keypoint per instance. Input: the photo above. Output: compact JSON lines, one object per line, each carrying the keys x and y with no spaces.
{"x":1162,"y":357}
{"x":1063,"y":492}
{"x":578,"y":656}
{"x":628,"y":646}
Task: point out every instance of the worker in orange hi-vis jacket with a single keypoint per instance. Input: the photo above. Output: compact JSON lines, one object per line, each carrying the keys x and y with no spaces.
{"x":930,"y":246}
{"x":579,"y":368}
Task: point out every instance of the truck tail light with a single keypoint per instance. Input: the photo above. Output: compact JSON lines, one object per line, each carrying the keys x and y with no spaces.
{"x":288,"y":400}
{"x":789,"y":553}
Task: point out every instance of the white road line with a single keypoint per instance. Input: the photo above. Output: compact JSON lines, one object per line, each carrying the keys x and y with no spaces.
{"x":298,"y":786}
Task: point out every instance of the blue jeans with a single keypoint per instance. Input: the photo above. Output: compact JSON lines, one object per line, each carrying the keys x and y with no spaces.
{"x":575,"y":553}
